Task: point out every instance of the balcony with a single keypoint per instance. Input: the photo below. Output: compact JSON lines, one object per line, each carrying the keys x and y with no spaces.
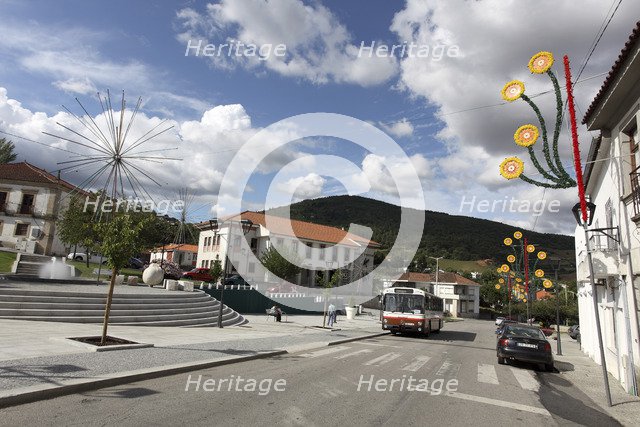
{"x":635,"y":193}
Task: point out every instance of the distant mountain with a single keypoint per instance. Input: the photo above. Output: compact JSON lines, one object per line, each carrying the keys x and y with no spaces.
{"x":452,"y":236}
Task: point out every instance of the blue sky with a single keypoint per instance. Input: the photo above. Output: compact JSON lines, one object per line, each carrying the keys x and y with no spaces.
{"x":53,"y":52}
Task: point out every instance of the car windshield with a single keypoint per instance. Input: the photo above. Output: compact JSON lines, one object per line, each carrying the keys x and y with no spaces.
{"x":517,"y":331}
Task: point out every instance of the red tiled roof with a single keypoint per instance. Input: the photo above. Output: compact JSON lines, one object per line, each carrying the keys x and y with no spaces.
{"x":443,"y":277}
{"x":613,"y":74}
{"x":27,"y":172}
{"x":301,"y":229}
{"x":178,"y":247}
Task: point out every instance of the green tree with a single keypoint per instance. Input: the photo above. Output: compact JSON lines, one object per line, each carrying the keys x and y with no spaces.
{"x":120,"y":241}
{"x":216,"y":271}
{"x":279,"y":265}
{"x":6,"y":151}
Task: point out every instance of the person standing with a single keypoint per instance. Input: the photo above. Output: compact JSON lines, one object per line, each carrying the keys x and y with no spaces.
{"x":332,"y":314}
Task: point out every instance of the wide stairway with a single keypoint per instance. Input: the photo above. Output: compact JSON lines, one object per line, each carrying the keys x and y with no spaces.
{"x":139,"y":309}
{"x":31,"y":265}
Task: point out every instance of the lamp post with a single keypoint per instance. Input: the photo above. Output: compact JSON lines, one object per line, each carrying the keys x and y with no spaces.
{"x":215,"y":224}
{"x":585,"y":224}
{"x":556,"y":267}
{"x":437,"y":269}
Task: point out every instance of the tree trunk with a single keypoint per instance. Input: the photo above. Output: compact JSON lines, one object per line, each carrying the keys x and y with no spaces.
{"x":107,"y":309}
{"x":87,"y":255}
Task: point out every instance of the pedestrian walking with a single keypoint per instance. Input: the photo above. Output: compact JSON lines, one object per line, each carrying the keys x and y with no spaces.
{"x":332,"y":314}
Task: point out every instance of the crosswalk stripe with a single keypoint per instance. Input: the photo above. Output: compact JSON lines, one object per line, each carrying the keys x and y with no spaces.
{"x":385,"y":358}
{"x":525,"y":379}
{"x":448,"y":369}
{"x":417,"y":363}
{"x":487,"y":374}
{"x":324,"y":352}
{"x":353,"y":353}
{"x":376,"y":344}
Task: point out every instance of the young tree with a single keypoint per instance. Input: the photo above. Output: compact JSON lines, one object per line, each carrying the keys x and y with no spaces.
{"x":6,"y":151}
{"x":120,"y":241}
{"x":216,"y":271}
{"x":279,"y":265}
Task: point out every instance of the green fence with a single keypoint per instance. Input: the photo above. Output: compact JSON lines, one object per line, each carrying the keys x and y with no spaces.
{"x":252,"y":301}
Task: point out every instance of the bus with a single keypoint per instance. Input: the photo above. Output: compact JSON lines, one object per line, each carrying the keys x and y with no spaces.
{"x":411,"y":310}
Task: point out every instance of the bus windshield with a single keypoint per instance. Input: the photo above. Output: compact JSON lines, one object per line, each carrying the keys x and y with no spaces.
{"x":404,"y":303}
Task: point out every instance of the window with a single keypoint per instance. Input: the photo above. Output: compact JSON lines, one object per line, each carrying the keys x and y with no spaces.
{"x":21,"y":229}
{"x":347,"y":254}
{"x":254,"y":243}
{"x":294,"y":247}
{"x":322,"y":248}
{"x":308,"y":249}
{"x":334,"y":253}
{"x":252,"y":267}
{"x":3,"y":201}
{"x":26,"y":207}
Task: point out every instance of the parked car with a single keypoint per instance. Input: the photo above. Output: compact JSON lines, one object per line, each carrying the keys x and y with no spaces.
{"x":93,"y":257}
{"x":283,"y":288}
{"x":199,"y":273}
{"x":136,"y":263}
{"x":235,"y":279}
{"x":524,"y":343}
{"x":499,"y":320}
{"x":574,"y":332}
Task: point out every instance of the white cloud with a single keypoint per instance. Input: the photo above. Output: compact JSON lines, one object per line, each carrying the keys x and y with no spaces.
{"x":318,"y":47}
{"x":76,"y":85}
{"x":306,"y":187}
{"x":399,"y":129}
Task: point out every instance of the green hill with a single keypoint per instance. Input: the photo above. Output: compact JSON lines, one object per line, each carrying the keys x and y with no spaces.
{"x":452,"y":236}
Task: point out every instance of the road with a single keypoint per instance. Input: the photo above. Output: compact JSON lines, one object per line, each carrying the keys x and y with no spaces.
{"x":359,"y":383}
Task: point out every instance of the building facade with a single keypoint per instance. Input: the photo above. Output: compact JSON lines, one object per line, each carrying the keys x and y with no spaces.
{"x":299,"y":237}
{"x":182,"y":254}
{"x":460,"y":295}
{"x":611,"y":182}
{"x":31,"y":201}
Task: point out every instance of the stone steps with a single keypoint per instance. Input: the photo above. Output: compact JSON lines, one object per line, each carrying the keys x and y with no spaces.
{"x":142,"y":309}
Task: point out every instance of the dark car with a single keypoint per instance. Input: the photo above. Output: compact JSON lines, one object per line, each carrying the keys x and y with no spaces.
{"x":199,"y":273}
{"x":235,"y":279}
{"x":574,"y":331}
{"x":524,"y":343}
{"x":136,"y":263}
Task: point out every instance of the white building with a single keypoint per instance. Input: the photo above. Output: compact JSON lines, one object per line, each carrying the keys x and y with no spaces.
{"x":31,"y":200}
{"x":213,"y":244}
{"x":180,"y":253}
{"x":611,"y":182}
{"x":461,"y":296}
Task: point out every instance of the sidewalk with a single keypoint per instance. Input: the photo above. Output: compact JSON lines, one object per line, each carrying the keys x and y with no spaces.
{"x":36,"y":354}
{"x":577,"y":368}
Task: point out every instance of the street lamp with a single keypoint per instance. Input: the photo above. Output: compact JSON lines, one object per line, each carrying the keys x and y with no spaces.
{"x":215,"y":224}
{"x":585,"y":224}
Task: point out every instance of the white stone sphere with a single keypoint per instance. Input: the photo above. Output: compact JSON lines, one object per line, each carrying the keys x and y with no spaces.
{"x":153,"y":275}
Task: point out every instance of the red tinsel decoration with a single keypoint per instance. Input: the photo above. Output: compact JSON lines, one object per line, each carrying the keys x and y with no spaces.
{"x":526,"y":269}
{"x":574,"y":138}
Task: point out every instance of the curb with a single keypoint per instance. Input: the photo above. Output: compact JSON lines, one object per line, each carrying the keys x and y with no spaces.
{"x":39,"y":392}
{"x":36,"y":393}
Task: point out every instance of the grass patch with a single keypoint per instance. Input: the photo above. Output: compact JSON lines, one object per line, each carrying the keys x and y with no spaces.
{"x":6,"y":261}
{"x":88,"y":271}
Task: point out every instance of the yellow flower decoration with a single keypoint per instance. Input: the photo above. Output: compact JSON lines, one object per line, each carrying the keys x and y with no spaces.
{"x":511,"y":167}
{"x":517,"y":235}
{"x":512,"y":90}
{"x":526,"y":135}
{"x":531,"y":248}
{"x":539,"y":273}
{"x":511,"y":258}
{"x":524,"y":300}
{"x":547,"y":284}
{"x":499,"y":270}
{"x":497,"y":286}
{"x":541,"y":62}
{"x":505,"y":268}
{"x":542,"y":255}
{"x":501,"y":280}
{"x":508,"y":241}
{"x":518,"y":280}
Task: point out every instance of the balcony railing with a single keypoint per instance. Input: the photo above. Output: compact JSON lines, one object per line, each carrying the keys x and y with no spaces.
{"x":635,"y":192}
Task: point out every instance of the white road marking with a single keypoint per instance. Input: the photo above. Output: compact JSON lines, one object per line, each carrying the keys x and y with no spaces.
{"x":417,"y":363}
{"x":487,"y":374}
{"x":376,"y":344}
{"x":353,"y":353}
{"x":525,"y":379}
{"x":386,"y":358}
{"x":324,"y":352}
{"x":448,"y":369}
{"x":503,"y":403}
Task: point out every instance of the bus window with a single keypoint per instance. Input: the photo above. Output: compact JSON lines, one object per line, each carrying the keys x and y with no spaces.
{"x":389,"y":303}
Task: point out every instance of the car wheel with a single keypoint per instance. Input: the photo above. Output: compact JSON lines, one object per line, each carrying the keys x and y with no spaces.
{"x":502,"y":361}
{"x":78,"y":258}
{"x":549,"y":367}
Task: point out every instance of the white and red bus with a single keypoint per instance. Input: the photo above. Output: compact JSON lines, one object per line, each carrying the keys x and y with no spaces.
{"x":411,"y":310}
